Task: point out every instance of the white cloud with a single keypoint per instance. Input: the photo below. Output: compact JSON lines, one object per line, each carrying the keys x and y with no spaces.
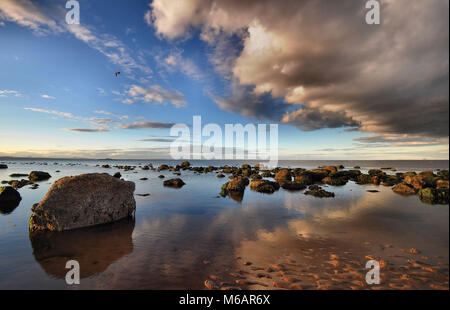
{"x":36,"y":17}
{"x":8,"y":92}
{"x":45,"y":96}
{"x":54,"y":112}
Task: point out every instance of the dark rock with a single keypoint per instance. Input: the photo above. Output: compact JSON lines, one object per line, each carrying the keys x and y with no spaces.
{"x":316,"y":191}
{"x":235,"y":188}
{"x":106,"y":166}
{"x":18,"y":175}
{"x":9,"y":199}
{"x":293,"y":186}
{"x":264,"y":186}
{"x":185,"y":164}
{"x":39,"y":176}
{"x":161,"y":176}
{"x":317,"y":175}
{"x":117,"y":175}
{"x":143,"y":179}
{"x":83,"y":200}
{"x":163,"y":167}
{"x":220,"y":175}
{"x":3,"y":166}
{"x":177,"y":183}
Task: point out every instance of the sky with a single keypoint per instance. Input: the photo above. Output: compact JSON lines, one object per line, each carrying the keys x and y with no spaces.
{"x":337,"y":87}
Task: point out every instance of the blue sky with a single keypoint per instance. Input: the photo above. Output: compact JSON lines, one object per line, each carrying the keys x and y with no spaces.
{"x":59,"y":95}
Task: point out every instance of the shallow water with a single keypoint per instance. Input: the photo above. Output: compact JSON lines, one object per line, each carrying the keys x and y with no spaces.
{"x":179,"y":237}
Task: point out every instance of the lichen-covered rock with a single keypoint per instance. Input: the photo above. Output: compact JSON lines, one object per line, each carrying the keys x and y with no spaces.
{"x":403,"y":189}
{"x":434,"y":196}
{"x":220,"y":175}
{"x":264,"y":186}
{"x":83,"y":200}
{"x":422,"y":180}
{"x":39,"y":176}
{"x":283,"y":175}
{"x":177,"y":183}
{"x":9,"y":199}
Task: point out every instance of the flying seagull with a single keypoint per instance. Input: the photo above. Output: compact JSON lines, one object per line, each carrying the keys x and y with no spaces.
{"x":117,"y":73}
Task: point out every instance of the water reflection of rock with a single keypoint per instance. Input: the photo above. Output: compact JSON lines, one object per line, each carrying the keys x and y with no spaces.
{"x":95,"y":248}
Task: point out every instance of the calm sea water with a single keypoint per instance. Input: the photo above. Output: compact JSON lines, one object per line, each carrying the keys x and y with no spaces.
{"x":181,"y":236}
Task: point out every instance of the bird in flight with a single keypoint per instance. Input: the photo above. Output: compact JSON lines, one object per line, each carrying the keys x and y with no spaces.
{"x":117,"y":73}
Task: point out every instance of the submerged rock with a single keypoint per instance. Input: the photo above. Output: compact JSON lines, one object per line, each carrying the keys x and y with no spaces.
{"x":317,"y":191}
{"x":9,"y":199}
{"x":264,"y":186}
{"x":39,"y":176}
{"x":177,"y":183}
{"x":83,"y":200}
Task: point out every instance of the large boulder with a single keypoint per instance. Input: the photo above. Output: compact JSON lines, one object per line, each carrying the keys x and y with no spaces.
{"x":83,"y":200}
{"x":9,"y":199}
{"x":39,"y":176}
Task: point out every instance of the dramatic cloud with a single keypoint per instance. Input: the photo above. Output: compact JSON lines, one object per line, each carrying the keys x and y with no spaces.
{"x":320,"y":58}
{"x":154,"y":94}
